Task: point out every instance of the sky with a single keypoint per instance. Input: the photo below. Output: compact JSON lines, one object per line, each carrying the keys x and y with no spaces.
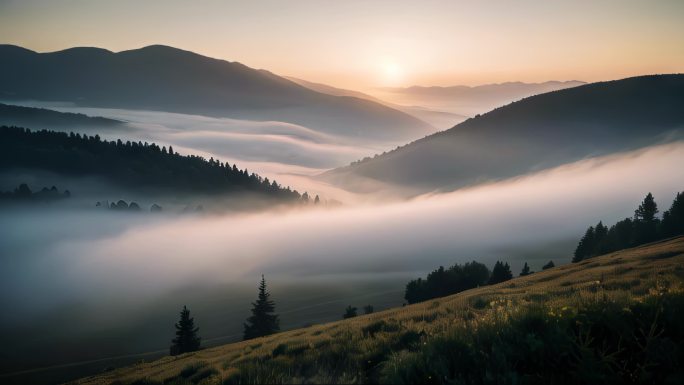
{"x":363,"y":44}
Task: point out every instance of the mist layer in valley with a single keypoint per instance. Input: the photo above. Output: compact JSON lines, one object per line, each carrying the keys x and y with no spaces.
{"x":286,"y":152}
{"x":123,"y":277}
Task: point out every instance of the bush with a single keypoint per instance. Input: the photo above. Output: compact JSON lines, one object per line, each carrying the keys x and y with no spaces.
{"x":603,"y":343}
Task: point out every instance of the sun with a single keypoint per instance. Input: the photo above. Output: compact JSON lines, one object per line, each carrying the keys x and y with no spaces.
{"x":392,"y":73}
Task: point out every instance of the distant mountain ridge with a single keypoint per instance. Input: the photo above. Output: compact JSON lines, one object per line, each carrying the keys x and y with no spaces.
{"x":439,"y":119}
{"x":11,"y":115}
{"x":169,"y":79}
{"x":486,"y":87}
{"x":471,"y":100}
{"x":535,"y":133}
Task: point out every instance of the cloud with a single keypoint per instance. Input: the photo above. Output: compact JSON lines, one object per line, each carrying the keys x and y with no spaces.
{"x":97,"y":253}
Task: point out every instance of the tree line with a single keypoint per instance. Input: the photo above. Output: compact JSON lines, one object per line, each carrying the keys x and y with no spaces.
{"x":145,"y":166}
{"x":457,"y":278}
{"x":643,"y":227}
{"x":23,"y":193}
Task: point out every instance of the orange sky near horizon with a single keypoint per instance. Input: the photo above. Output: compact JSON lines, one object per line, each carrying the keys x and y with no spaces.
{"x":364,"y":45}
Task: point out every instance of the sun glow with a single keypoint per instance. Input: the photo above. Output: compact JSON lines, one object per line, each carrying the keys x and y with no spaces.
{"x":392,"y":73}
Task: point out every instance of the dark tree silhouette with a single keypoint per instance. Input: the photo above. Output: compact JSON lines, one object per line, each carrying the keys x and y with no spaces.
{"x":647,"y":210}
{"x":349,"y":312}
{"x":24,"y":194}
{"x":585,"y":246}
{"x":673,"y":219}
{"x":263,"y":320}
{"x":500,"y":273}
{"x":142,"y":166}
{"x":443,"y":282}
{"x":525,"y":270}
{"x":548,"y":265}
{"x":186,"y":339}
{"x":645,"y":221}
{"x":368,"y":309}
{"x":643,"y":228}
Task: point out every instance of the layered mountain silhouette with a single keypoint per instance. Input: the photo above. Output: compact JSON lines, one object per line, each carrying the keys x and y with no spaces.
{"x":163,"y":78}
{"x":11,"y":115}
{"x":438,"y":119}
{"x":469,"y":101}
{"x":535,"y":133}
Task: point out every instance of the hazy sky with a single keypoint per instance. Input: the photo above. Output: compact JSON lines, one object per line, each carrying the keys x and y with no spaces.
{"x":363,"y":44}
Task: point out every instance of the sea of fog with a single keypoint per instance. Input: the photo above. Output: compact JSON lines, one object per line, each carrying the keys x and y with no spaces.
{"x":286,"y":152}
{"x":80,"y":284}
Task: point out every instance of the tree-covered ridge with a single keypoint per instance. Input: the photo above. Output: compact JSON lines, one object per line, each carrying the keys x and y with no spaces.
{"x":643,"y":228}
{"x":23,"y":193}
{"x":143,"y":166}
{"x":12,"y":115}
{"x":443,"y":282}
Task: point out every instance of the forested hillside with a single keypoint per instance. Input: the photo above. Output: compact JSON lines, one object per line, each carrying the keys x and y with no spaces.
{"x":137,"y":165}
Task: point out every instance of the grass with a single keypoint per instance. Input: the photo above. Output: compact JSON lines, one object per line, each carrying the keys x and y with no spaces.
{"x":615,"y":319}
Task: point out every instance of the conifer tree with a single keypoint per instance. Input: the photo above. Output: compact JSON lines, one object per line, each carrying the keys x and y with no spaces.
{"x":186,"y":339}
{"x":263,"y":320}
{"x":673,"y":219}
{"x":500,"y":273}
{"x":349,"y":312}
{"x":645,"y":221}
{"x":647,"y":210}
{"x":525,"y":270}
{"x":585,"y":246}
{"x":368,"y":309}
{"x":548,"y":265}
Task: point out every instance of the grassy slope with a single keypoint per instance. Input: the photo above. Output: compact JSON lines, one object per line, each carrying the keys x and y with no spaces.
{"x":344,"y":351}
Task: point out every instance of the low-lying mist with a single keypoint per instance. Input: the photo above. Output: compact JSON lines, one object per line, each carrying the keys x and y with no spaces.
{"x":275,"y":147}
{"x":524,"y":218}
{"x":119,"y":278}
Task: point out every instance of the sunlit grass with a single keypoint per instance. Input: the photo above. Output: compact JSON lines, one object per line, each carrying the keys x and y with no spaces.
{"x":407,"y":344}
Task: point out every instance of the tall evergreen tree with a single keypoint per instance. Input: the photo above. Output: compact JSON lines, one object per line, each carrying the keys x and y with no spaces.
{"x":585,"y":246}
{"x":673,"y":219}
{"x":186,"y":339}
{"x":645,"y":221}
{"x":349,"y":312}
{"x":647,"y":210}
{"x":600,"y":233}
{"x":263,"y":320}
{"x":500,"y":273}
{"x":525,"y":270}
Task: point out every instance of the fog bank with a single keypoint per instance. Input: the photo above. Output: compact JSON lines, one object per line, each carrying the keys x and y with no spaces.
{"x":533,"y":218}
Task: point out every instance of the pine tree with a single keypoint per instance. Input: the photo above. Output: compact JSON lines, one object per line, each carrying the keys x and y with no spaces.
{"x":500,"y":273}
{"x":548,"y":265}
{"x":186,"y":339}
{"x":645,"y":221}
{"x":673,"y":219}
{"x":647,"y":210}
{"x":600,"y":233}
{"x":525,"y":270}
{"x":585,"y":246}
{"x":349,"y":312}
{"x":263,"y":321}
